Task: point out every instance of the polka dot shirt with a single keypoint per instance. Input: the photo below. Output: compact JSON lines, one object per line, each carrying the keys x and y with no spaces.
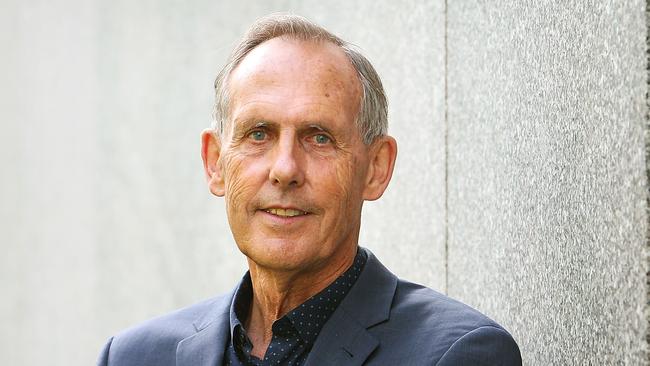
{"x":293,"y":334}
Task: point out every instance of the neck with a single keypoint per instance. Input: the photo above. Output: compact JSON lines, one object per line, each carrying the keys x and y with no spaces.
{"x":275,"y":293}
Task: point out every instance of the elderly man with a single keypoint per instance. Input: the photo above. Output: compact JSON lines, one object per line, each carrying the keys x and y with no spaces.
{"x":299,"y":143}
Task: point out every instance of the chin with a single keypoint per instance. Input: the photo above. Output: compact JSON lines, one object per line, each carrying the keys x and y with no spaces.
{"x":281,"y":255}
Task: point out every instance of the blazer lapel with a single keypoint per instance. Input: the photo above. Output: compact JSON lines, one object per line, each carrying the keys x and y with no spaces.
{"x":345,"y":339}
{"x":207,"y":346}
{"x":342,"y":341}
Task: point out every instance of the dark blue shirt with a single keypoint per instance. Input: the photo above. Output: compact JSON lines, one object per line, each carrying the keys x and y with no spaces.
{"x":295,"y":333}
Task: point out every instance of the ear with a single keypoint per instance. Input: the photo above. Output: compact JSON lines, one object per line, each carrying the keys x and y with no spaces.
{"x":211,"y":153}
{"x":383,"y":153}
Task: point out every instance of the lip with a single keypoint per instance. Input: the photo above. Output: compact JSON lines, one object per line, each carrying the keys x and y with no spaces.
{"x":282,"y":220}
{"x":284,"y":214}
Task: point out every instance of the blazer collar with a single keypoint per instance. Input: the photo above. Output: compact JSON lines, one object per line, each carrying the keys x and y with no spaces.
{"x":207,"y":345}
{"x":344,"y":339}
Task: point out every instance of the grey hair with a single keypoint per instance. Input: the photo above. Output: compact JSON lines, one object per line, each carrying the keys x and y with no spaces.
{"x":372,"y":119}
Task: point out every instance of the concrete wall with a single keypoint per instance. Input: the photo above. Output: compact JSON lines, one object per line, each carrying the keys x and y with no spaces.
{"x":106,"y":219}
{"x":530,"y":115}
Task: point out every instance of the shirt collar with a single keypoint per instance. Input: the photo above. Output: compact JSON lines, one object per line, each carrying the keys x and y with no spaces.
{"x":307,"y":318}
{"x":239,"y":309}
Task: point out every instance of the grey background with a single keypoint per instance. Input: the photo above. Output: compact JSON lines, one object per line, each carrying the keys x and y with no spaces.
{"x":520,"y":185}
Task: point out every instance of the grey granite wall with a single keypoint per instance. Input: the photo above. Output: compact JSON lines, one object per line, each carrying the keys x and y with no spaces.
{"x":547,"y":185}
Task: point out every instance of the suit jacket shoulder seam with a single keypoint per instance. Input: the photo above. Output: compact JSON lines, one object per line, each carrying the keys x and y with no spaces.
{"x":465,"y":335}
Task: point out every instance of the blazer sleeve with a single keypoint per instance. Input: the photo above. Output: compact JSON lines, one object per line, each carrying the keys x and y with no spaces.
{"x":484,"y":346}
{"x":103,"y":356}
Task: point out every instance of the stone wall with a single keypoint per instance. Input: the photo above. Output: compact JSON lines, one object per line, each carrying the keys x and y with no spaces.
{"x":547,"y":185}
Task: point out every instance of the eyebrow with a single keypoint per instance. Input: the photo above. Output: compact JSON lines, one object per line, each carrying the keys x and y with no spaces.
{"x":254,"y":122}
{"x":247,"y":124}
{"x":319,"y":127}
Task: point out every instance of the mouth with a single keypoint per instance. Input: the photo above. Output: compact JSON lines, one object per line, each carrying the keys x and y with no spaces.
{"x":285,"y":212}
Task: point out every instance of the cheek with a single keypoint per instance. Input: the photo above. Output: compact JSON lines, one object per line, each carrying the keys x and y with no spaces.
{"x":342,"y":183}
{"x":350,"y":175}
{"x":238,"y":187}
{"x":342,"y":187}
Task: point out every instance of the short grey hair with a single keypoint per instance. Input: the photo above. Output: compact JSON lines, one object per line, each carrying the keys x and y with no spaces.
{"x":372,"y":119}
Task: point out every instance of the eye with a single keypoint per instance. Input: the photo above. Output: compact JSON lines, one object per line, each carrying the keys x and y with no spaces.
{"x":258,"y":135}
{"x":322,"y":139}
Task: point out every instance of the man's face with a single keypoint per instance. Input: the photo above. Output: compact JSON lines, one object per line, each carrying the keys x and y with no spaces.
{"x":292,"y":163}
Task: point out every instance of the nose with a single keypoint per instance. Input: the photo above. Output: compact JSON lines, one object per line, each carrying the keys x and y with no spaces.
{"x":287,"y":168}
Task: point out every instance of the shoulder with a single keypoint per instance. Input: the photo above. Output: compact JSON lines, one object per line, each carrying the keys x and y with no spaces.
{"x":486,"y":345}
{"x":447,"y":331}
{"x":433,"y":309}
{"x":418,"y":325}
{"x":154,"y":341}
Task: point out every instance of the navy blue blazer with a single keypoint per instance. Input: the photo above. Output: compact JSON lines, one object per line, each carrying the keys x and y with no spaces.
{"x":382,"y":321}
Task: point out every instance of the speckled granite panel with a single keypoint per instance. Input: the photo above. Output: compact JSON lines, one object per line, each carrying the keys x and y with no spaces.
{"x":547,"y":187}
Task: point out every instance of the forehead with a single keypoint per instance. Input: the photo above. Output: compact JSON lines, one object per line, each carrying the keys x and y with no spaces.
{"x":291,"y":74}
{"x":299,"y":60}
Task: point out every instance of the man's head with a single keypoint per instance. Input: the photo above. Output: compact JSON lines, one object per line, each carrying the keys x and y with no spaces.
{"x":372,"y":119}
{"x":291,"y":153}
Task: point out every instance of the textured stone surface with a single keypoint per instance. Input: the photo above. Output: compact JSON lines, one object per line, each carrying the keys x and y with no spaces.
{"x":546,"y":176}
{"x":106,"y":219}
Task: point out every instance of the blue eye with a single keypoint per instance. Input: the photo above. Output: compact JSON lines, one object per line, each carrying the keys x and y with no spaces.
{"x":321,"y":139}
{"x":258,"y":135}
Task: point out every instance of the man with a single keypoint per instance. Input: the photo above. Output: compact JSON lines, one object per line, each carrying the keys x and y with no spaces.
{"x":299,"y":143}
